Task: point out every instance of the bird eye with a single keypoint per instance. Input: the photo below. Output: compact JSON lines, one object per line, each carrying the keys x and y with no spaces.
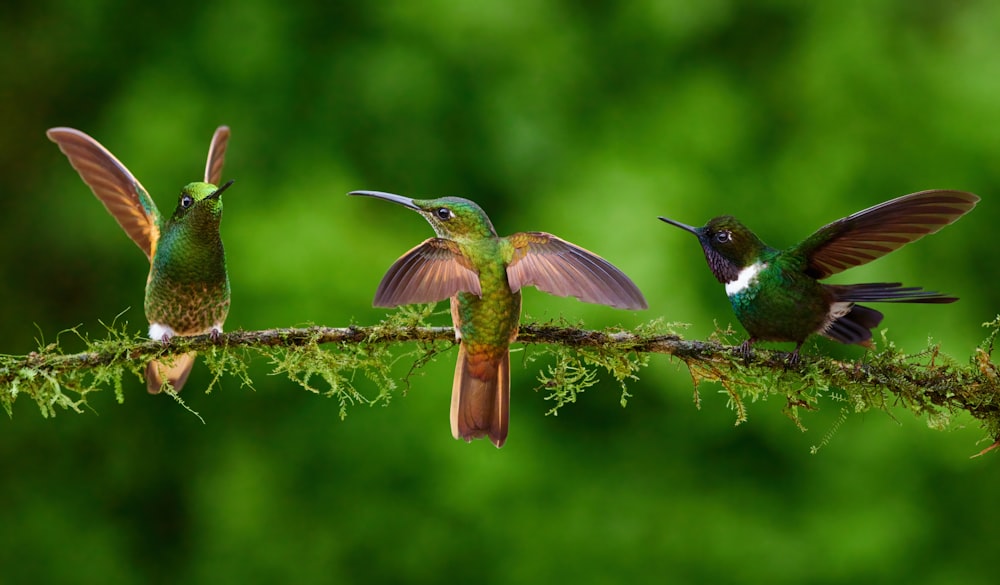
{"x":723,"y":237}
{"x":187,"y":201}
{"x":443,"y":213}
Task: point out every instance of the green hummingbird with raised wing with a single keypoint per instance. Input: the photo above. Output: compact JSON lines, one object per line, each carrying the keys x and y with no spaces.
{"x":187,"y":291}
{"x":483,"y":274}
{"x":776,"y":294}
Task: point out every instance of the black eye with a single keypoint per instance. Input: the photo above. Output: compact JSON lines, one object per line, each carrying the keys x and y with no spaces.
{"x":443,"y":213}
{"x":187,"y":201}
{"x":723,"y":237}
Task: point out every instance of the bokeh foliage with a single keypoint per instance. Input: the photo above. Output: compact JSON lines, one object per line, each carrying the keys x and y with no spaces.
{"x":584,"y":120}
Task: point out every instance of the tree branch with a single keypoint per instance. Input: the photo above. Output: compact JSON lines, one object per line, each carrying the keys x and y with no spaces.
{"x":926,"y":383}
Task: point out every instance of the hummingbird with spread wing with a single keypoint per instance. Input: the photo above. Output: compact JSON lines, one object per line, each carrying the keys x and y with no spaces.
{"x":187,"y":290}
{"x":776,"y":294}
{"x":483,"y":274}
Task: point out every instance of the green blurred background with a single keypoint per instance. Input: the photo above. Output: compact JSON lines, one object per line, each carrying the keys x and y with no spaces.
{"x":583,"y":119}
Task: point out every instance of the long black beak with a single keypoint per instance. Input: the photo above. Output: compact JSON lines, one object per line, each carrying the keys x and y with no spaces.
{"x":219,"y":191}
{"x":404,"y":201}
{"x":683,"y":226}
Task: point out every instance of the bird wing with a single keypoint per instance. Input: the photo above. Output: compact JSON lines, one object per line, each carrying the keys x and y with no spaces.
{"x":876,"y":231}
{"x":216,"y":155}
{"x":564,"y":269}
{"x":433,"y":271}
{"x":120,"y":192}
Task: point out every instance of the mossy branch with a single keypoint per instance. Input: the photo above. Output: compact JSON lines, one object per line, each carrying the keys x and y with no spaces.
{"x":926,"y":383}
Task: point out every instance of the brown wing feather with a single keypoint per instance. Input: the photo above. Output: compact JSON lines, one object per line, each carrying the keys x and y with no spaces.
{"x":216,"y":155}
{"x":564,"y":269}
{"x":120,"y":192}
{"x":432,"y":271}
{"x":876,"y":231}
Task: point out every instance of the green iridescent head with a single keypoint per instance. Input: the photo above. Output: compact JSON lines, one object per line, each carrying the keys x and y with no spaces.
{"x":729,"y":246}
{"x":199,"y":202}
{"x":452,"y":218}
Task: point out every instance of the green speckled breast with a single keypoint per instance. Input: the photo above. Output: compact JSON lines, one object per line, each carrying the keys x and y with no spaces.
{"x":489,"y":323}
{"x":188,"y":286}
{"x":189,"y":308}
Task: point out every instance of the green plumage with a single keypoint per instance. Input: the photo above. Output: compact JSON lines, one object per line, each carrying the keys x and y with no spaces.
{"x":490,"y":319}
{"x":483,"y":273}
{"x":187,"y":291}
{"x":188,"y":287}
{"x":782,"y":303}
{"x":777,"y":294}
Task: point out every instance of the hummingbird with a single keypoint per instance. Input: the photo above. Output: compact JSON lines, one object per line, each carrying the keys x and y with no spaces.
{"x":483,"y":273}
{"x":187,"y":290}
{"x":776,"y":294}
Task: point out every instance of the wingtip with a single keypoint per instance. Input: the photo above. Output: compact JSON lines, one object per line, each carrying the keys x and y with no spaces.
{"x":54,"y":133}
{"x":631,"y":303}
{"x":630,"y":297}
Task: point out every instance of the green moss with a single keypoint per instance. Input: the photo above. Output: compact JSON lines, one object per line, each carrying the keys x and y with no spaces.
{"x":329,"y":362}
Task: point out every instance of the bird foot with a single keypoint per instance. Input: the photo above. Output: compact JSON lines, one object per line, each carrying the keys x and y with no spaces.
{"x":215,"y":334}
{"x":793,"y":359}
{"x":745,"y":349}
{"x":161,"y":332}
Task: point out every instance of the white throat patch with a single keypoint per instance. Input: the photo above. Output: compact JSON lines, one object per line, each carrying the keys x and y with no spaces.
{"x":746,"y":277}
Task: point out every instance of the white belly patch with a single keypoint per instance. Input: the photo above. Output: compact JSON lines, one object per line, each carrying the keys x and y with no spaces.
{"x":158,"y":331}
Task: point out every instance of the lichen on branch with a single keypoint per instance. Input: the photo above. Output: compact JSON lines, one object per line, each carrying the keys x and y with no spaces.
{"x":327,"y":361}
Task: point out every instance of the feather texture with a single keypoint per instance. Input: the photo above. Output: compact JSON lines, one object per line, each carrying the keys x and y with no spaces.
{"x":175,"y":370}
{"x":432,"y":271}
{"x":558,"y":267}
{"x":216,"y":155}
{"x":480,"y":396}
{"x":874,"y":232}
{"x":120,"y":192}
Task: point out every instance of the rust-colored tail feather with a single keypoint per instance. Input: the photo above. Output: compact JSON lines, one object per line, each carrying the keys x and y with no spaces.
{"x":480,"y":397}
{"x":175,"y":370}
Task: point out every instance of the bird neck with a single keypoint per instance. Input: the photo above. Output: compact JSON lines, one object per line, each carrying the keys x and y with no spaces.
{"x":191,"y":252}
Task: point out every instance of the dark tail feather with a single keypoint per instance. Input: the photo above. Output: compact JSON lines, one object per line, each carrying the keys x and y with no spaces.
{"x":886,"y":292}
{"x":480,"y":397}
{"x":854,"y":327}
{"x":857,"y":324}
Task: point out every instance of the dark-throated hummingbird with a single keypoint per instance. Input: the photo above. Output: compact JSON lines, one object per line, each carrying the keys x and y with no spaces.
{"x":187,"y":291}
{"x":776,"y":294}
{"x":483,"y":274}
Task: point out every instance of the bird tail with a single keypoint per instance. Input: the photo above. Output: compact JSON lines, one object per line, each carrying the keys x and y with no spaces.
{"x":854,"y":323}
{"x":480,"y":396}
{"x":174,"y":370}
{"x":886,"y":292}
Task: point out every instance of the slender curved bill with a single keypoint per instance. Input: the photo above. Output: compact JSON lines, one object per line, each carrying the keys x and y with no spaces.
{"x":404,"y":201}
